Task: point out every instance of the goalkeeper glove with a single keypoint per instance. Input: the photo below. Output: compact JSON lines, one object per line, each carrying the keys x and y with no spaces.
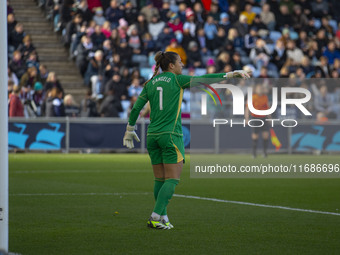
{"x":237,"y":74}
{"x":130,"y":134}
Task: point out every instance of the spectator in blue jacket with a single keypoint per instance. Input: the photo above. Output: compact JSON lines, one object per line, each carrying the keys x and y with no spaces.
{"x":331,"y":52}
{"x":210,"y":31}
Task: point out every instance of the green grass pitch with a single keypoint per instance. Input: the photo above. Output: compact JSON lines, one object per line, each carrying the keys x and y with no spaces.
{"x":99,"y":204}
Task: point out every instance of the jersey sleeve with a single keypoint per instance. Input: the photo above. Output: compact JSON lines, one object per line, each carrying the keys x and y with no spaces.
{"x":138,"y":106}
{"x":186,"y":81}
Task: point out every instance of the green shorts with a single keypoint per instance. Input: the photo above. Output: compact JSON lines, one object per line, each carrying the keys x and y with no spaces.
{"x":165,"y":148}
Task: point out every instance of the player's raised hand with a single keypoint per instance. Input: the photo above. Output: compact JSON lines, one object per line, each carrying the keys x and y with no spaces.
{"x":130,"y":134}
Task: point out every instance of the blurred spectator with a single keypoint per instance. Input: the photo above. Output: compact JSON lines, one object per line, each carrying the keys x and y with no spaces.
{"x":66,"y":12}
{"x":293,"y":53}
{"x":84,"y":11}
{"x":106,"y":29}
{"x":29,"y":78}
{"x":165,"y":12}
{"x":306,"y":66}
{"x":12,"y":77}
{"x":142,"y":24}
{"x":267,"y":17}
{"x":182,"y":9}
{"x":175,"y":47}
{"x":125,"y":76}
{"x":52,"y":82}
{"x":149,"y":45}
{"x":323,"y":68}
{"x":54,"y":103}
{"x":97,"y":37}
{"x":114,"y":13}
{"x":107,"y":49}
{"x":135,"y":88}
{"x":32,"y":61}
{"x":96,"y":68}
{"x":214,"y":11}
{"x":164,"y":38}
{"x":233,"y":13}
{"x":82,"y":53}
{"x":324,"y":103}
{"x":122,"y":28}
{"x":71,"y":108}
{"x":260,"y":26}
{"x":98,"y":17}
{"x":199,"y":13}
{"x":222,"y":60}
{"x":11,"y":23}
{"x":155,"y":27}
{"x":111,"y":105}
{"x":38,"y":97}
{"x":149,"y":11}
{"x":190,"y":22}
{"x":10,"y":86}
{"x":130,"y":13}
{"x":135,"y":42}
{"x":279,"y":56}
{"x":210,"y":31}
{"x":284,"y":19}
{"x":242,"y":26}
{"x":136,"y":74}
{"x":328,"y":28}
{"x":299,"y":19}
{"x":331,"y":52}
{"x":27,"y":47}
{"x":224,"y":22}
{"x":194,"y":55}
{"x":260,"y":54}
{"x":175,"y":23}
{"x":17,"y":65}
{"x":17,"y":36}
{"x":288,"y":3}
{"x":15,"y":107}
{"x":125,"y":53}
{"x":72,"y":28}
{"x":319,"y":8}
{"x":236,"y":62}
{"x":220,"y":40}
{"x":249,"y":13}
{"x":250,"y":39}
{"x":88,"y":107}
{"x":120,"y":89}
{"x":114,"y":38}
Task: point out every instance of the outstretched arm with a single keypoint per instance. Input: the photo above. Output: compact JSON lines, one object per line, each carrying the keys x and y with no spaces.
{"x":185,"y":81}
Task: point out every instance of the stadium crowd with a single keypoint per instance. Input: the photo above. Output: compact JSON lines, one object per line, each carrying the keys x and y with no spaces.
{"x":113,"y":44}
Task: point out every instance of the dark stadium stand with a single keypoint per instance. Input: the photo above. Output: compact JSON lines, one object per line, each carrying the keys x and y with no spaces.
{"x":113,"y":43}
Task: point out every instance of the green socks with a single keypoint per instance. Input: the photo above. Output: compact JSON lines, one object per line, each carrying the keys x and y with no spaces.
{"x":158,"y":185}
{"x":163,"y":193}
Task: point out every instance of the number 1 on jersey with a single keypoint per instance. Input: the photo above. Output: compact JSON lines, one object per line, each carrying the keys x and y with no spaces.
{"x":160,"y":97}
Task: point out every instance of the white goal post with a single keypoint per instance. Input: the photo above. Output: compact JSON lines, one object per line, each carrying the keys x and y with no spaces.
{"x":3,"y":130}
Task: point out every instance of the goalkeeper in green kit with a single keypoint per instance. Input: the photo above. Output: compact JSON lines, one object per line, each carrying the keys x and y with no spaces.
{"x":164,"y":137}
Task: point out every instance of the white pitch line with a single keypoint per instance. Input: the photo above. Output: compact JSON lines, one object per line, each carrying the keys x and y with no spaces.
{"x":257,"y":205}
{"x":77,"y":194}
{"x":183,"y":196}
{"x":75,"y":171}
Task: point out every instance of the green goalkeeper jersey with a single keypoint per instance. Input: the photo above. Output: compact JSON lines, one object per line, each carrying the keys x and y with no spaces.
{"x":165,"y":94}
